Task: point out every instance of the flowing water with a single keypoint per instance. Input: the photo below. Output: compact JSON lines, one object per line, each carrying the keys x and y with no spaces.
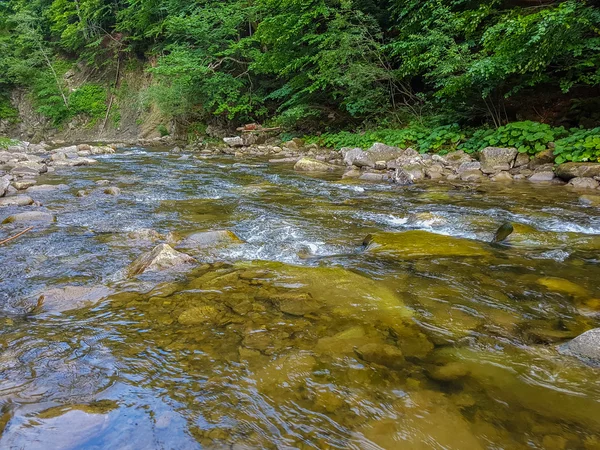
{"x":299,"y":337}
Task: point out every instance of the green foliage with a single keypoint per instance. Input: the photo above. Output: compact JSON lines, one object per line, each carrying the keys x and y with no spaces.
{"x":89,"y":100}
{"x":438,"y":139}
{"x":477,"y":140}
{"x":527,"y":137}
{"x":6,"y":142}
{"x":580,"y":145}
{"x":163,"y":130}
{"x":7,"y":111}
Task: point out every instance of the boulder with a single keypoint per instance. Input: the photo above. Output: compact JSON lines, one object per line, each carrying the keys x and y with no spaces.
{"x":522,"y":160}
{"x":571,"y":170}
{"x":24,"y":172}
{"x":586,"y":347}
{"x":402,"y":177}
{"x":377,"y":152}
{"x":422,"y":244}
{"x":4,"y":184}
{"x":71,"y":297}
{"x":583,"y":183}
{"x":112,"y":191}
{"x":382,"y":354}
{"x":471,"y":175}
{"x":502,"y":177}
{"x":542,"y":158}
{"x":30,"y":216}
{"x":206,"y":239}
{"x":312,"y":165}
{"x":16,"y":200}
{"x":235,"y":141}
{"x":542,"y":174}
{"x":468,"y":166}
{"x":161,"y":258}
{"x":351,"y":155}
{"x":24,"y":184}
{"x":46,"y":188}
{"x":495,"y":159}
{"x":37,"y":167}
{"x":456,"y":158}
{"x":374,"y":177}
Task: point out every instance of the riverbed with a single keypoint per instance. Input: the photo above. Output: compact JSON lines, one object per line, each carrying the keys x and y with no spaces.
{"x":452,"y":344}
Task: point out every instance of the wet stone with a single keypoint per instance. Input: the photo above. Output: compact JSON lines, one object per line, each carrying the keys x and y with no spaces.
{"x":382,"y":354}
{"x":16,"y":200}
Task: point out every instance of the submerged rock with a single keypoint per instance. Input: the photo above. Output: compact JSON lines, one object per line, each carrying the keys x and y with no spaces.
{"x":16,"y":200}
{"x":313,"y":165}
{"x":583,"y":183}
{"x":585,"y":347}
{"x":382,"y":354}
{"x":30,"y":216}
{"x":24,"y":184}
{"x":47,"y":188}
{"x":206,"y":239}
{"x":71,"y":297}
{"x":402,"y":177}
{"x":161,"y":258}
{"x":422,"y":244}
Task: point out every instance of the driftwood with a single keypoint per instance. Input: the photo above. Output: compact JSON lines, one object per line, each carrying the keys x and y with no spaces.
{"x":16,"y":235}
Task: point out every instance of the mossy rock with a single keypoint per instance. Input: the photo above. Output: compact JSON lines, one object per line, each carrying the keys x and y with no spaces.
{"x":422,"y":244}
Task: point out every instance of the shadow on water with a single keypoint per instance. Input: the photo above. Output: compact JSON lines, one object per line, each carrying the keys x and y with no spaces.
{"x":299,"y":337}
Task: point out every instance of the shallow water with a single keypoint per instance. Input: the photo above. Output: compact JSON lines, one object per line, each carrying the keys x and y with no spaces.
{"x":299,"y":337}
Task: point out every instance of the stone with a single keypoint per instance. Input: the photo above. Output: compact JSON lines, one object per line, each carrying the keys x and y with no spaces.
{"x":382,"y":354}
{"x":16,"y":200}
{"x":199,"y":315}
{"x":416,"y":244}
{"x":467,"y":166}
{"x":30,"y":216}
{"x":571,"y":170}
{"x":81,"y":193}
{"x":373,"y":177}
{"x":312,"y":165}
{"x":585,"y":347}
{"x":208,"y":239}
{"x":145,"y":234}
{"x":161,"y":258}
{"x":4,"y":184}
{"x":495,"y":159}
{"x":71,"y":297}
{"x":46,"y":188}
{"x":235,"y":141}
{"x":543,"y":174}
{"x":457,"y":158}
{"x":103,"y":182}
{"x":564,"y":286}
{"x":37,"y":167}
{"x":352,"y":173}
{"x":522,"y":160}
{"x":502,"y":177}
{"x":402,"y":177}
{"x":283,"y":160}
{"x":24,"y":184}
{"x":24,"y":172}
{"x":542,"y":158}
{"x":299,"y":304}
{"x":471,"y":175}
{"x":583,"y":183}
{"x":112,"y":191}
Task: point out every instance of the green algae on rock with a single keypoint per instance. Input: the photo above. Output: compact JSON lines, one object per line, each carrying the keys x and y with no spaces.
{"x":423,"y":244}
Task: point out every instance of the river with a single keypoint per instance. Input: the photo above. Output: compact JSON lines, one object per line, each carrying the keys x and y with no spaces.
{"x":451,"y":344}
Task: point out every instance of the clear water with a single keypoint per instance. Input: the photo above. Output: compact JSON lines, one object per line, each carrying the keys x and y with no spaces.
{"x":299,"y":338}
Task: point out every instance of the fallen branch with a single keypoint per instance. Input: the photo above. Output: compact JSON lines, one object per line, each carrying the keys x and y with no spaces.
{"x":16,"y":235}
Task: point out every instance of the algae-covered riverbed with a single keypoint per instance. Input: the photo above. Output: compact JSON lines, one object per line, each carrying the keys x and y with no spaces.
{"x":297,"y":335}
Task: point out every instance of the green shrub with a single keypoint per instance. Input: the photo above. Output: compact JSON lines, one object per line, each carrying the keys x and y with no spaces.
{"x":90,"y":100}
{"x":6,"y":142}
{"x":527,"y":137}
{"x":439,"y":139}
{"x":7,"y":111}
{"x":163,"y":130}
{"x":477,"y":141}
{"x":580,"y":145}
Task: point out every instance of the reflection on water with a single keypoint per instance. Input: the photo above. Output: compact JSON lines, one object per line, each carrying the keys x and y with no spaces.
{"x":299,"y":337}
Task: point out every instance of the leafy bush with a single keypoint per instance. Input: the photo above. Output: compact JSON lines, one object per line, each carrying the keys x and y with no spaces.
{"x":527,"y":137}
{"x":163,"y":130}
{"x":442,"y":138}
{"x":580,"y":145}
{"x":6,"y":142}
{"x":7,"y":111}
{"x":477,"y":141}
{"x":90,"y":100}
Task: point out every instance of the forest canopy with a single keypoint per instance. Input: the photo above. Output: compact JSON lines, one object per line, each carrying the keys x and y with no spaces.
{"x":313,"y":63}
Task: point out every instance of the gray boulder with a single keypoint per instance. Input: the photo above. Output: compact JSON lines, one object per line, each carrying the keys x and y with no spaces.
{"x":235,"y":141}
{"x":205,"y":239}
{"x":16,"y":200}
{"x":4,"y":184}
{"x":30,"y":216}
{"x":586,"y":347}
{"x":162,"y":258}
{"x":112,"y":191}
{"x":312,"y":165}
{"x":583,"y":183}
{"x":402,"y":177}
{"x":543,"y":174}
{"x":374,"y":177}
{"x":495,"y":159}
{"x":571,"y":170}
